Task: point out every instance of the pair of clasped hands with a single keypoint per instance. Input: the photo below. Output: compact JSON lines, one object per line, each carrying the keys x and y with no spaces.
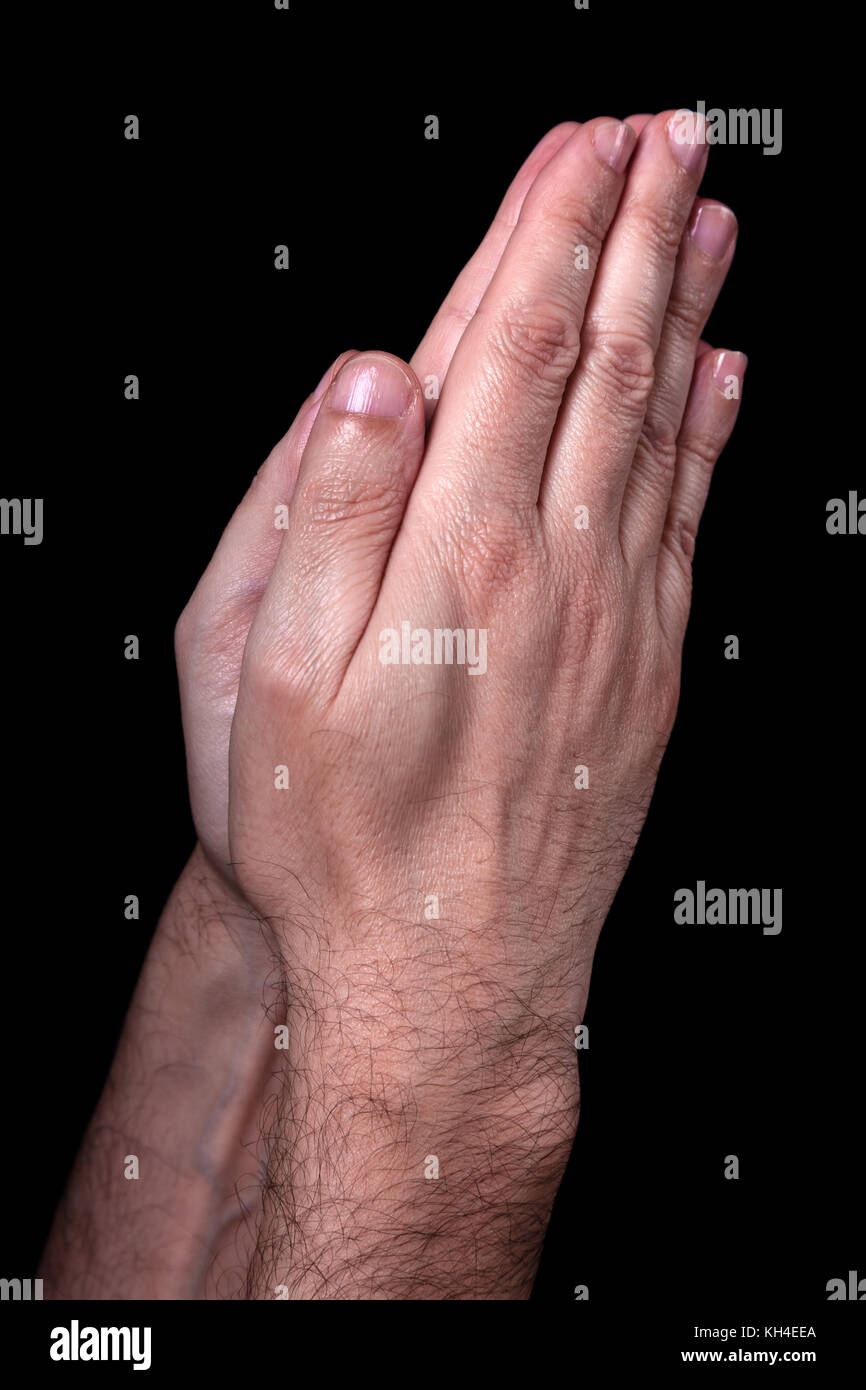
{"x":551,"y":497}
{"x":409,"y":862}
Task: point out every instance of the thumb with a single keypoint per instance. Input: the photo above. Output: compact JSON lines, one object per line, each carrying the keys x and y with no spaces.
{"x":356,"y":475}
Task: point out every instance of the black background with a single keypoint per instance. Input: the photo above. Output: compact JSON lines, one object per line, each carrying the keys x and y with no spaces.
{"x":261,"y":127}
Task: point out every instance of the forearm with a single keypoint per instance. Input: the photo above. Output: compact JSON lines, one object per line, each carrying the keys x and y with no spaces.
{"x":183,"y":1098}
{"x":414,"y":1153}
{"x":399,"y":1145}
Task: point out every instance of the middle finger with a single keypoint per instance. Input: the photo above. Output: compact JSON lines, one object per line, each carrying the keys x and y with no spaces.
{"x":603,"y":411}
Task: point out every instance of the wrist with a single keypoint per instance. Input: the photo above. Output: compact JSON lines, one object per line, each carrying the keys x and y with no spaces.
{"x":208,"y":918}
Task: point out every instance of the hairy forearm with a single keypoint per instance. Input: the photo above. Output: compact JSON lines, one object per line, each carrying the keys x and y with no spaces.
{"x":183,"y":1099}
{"x":415,"y":1149}
{"x":318,"y":1122}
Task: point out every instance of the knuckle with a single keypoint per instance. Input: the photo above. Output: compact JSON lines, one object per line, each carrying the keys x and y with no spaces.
{"x":564,"y":203}
{"x":687,"y":535}
{"x":659,"y":441}
{"x":595,"y":621}
{"x":269,"y":671}
{"x":685,"y":315}
{"x":594,"y":602}
{"x":562,"y":222}
{"x":540,"y":338}
{"x":336,"y":495}
{"x":584,"y":229}
{"x":460,"y":313}
{"x":659,"y":224}
{"x":210,"y":636}
{"x":702,"y":450}
{"x":494,"y":550}
{"x":624,"y":362}
{"x":681,"y":538}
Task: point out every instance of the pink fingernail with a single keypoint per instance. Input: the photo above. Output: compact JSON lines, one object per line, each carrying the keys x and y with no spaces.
{"x":713,"y":228}
{"x":728,"y":372}
{"x":369,"y":385}
{"x":614,"y":142}
{"x":687,"y":139}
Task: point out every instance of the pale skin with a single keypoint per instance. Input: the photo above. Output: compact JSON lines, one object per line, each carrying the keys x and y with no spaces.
{"x":419,"y":909}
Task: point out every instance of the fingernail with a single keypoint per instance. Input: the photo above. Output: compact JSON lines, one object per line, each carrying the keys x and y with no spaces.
{"x":713,"y":227}
{"x":686,"y":138}
{"x":614,"y":142}
{"x":728,"y":373}
{"x":372,"y":386}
